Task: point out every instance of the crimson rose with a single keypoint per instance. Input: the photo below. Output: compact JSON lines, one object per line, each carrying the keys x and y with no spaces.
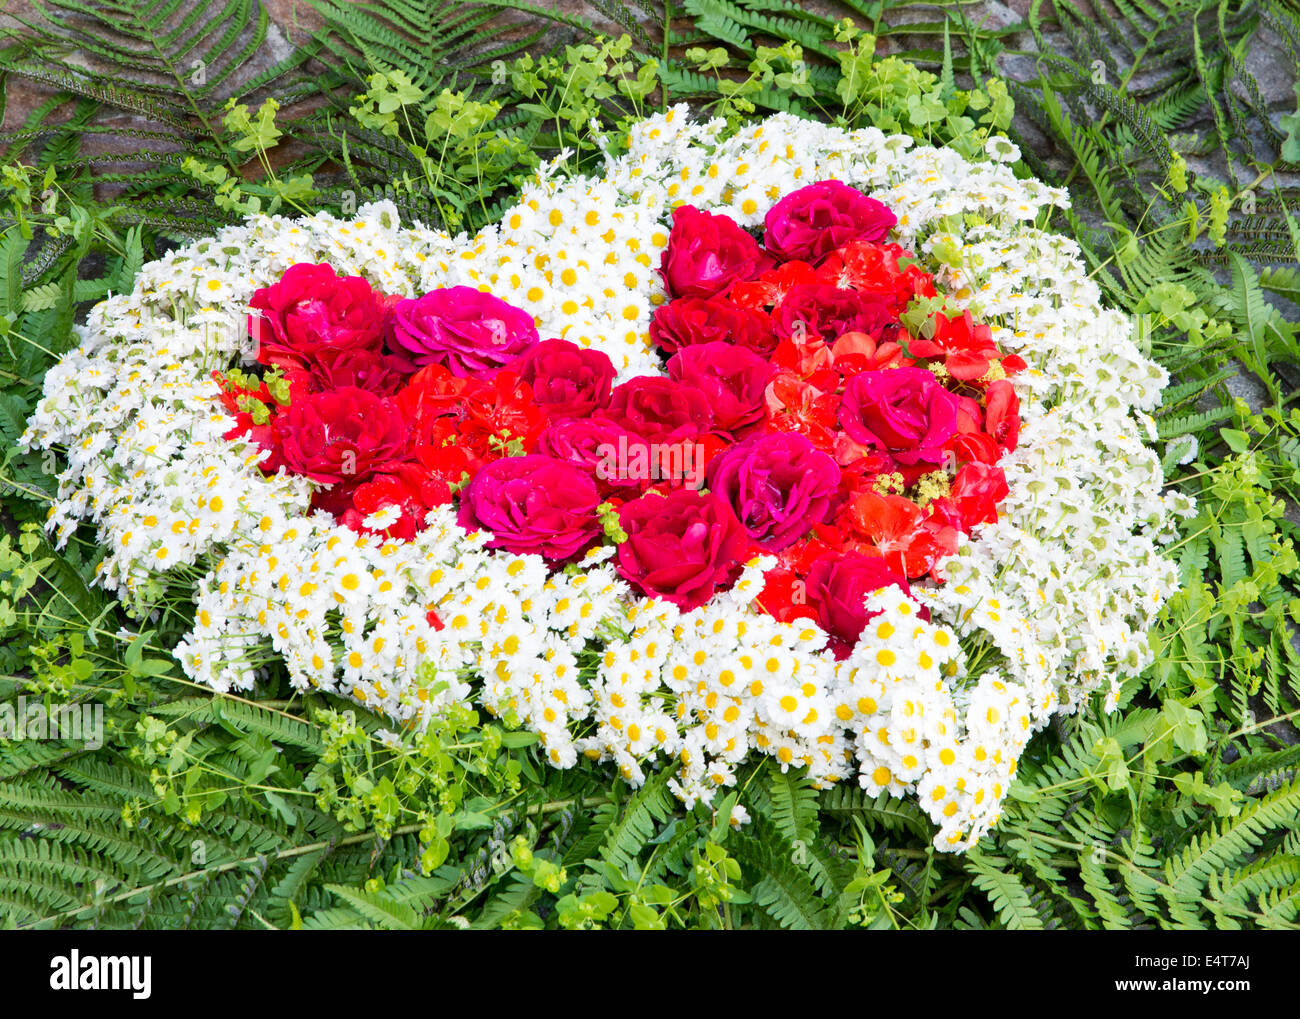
{"x":567,"y":381}
{"x":680,"y":547}
{"x":706,"y":254}
{"x":904,"y":411}
{"x":733,"y":379}
{"x":837,"y":588}
{"x":694,"y":320}
{"x":313,"y":311}
{"x":334,"y":369}
{"x":533,"y":504}
{"x":659,"y":409}
{"x":345,"y":435}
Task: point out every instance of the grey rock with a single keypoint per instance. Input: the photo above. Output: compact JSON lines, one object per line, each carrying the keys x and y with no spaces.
{"x":1244,"y":386}
{"x":1274,"y":69}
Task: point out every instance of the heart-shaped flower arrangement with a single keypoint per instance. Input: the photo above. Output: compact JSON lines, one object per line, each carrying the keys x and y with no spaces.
{"x":794,"y":402}
{"x":883,"y":510}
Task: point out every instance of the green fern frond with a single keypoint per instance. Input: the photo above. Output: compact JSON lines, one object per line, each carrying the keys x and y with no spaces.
{"x":1189,"y":872}
{"x":171,"y":63}
{"x":886,"y":812}
{"x":1010,"y":898}
{"x":793,"y":805}
{"x":1194,"y":424}
{"x":628,"y":836}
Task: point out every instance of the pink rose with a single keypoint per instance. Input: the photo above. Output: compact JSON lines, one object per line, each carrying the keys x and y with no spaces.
{"x":470,"y":332}
{"x":778,"y":485}
{"x":903,"y":411}
{"x":533,"y":504}
{"x":706,"y":254}
{"x":815,"y":220}
{"x":567,"y":381}
{"x":313,"y":312}
{"x":681,"y":547}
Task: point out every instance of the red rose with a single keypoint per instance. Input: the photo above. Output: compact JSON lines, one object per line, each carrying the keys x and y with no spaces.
{"x":313,"y":311}
{"x":818,"y":310}
{"x":448,"y":465}
{"x":815,"y":220}
{"x":346,"y":435}
{"x":692,"y":321}
{"x":975,"y":447}
{"x":533,"y":505}
{"x":659,"y":409}
{"x":904,"y":411}
{"x":838,"y":585}
{"x":975,"y":493}
{"x":681,"y":547}
{"x":567,"y":381}
{"x":706,"y":254}
{"x":733,"y":379}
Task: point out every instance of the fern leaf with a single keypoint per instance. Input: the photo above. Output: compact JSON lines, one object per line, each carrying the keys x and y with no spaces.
{"x":1005,"y":890}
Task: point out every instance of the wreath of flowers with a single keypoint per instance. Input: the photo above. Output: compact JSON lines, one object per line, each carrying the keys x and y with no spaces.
{"x":420,"y":501}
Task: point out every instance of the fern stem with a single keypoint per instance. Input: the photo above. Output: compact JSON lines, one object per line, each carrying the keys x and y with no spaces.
{"x":286,"y":854}
{"x":221,"y":868}
{"x":1256,"y":726}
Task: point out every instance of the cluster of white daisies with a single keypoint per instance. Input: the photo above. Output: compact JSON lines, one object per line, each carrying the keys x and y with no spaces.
{"x":1039,"y":610}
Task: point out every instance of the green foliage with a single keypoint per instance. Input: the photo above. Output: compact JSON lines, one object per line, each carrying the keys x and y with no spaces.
{"x":433,"y":107}
{"x":171,"y":66}
{"x":829,"y":70}
{"x":1129,"y":101}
